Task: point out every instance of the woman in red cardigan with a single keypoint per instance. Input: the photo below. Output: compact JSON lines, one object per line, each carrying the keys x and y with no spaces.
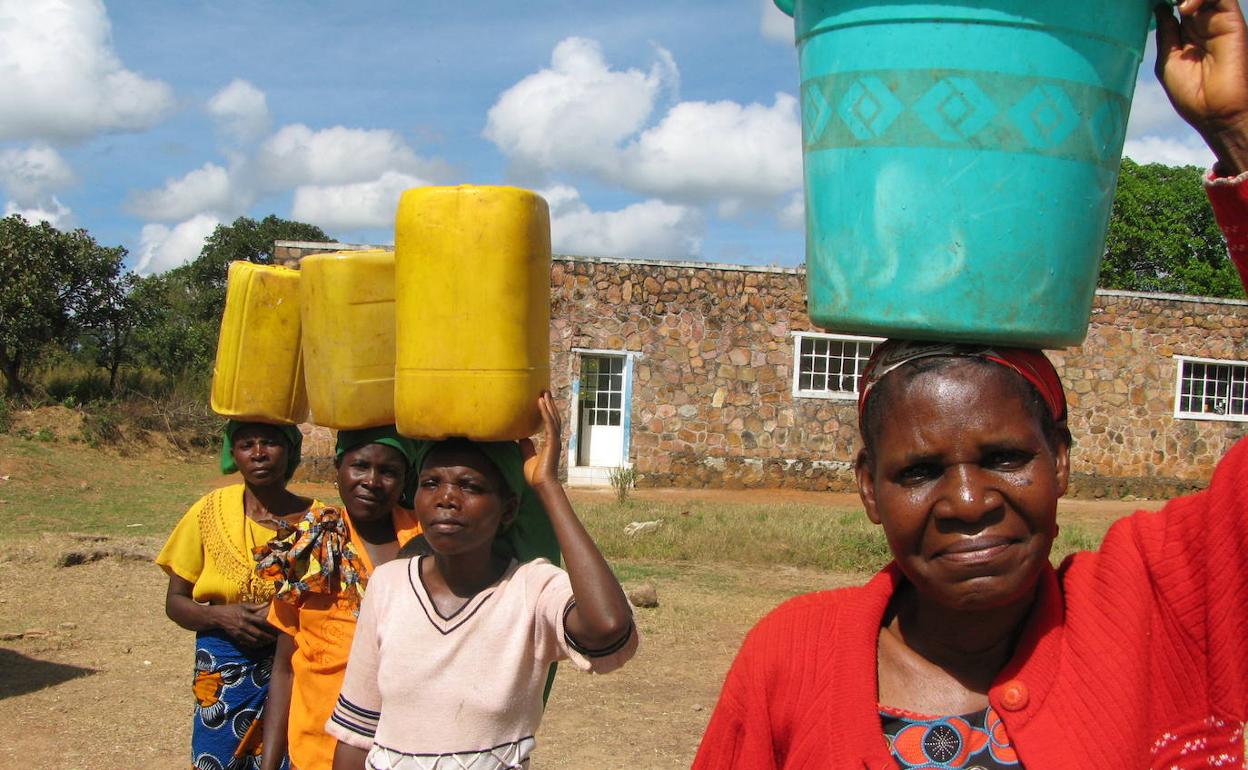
{"x":970,"y":650}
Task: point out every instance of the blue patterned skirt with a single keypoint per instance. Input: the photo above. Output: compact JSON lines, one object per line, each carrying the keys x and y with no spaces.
{"x":230,"y":687}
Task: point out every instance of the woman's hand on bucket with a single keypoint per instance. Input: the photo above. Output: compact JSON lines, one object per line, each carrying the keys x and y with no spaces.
{"x":542,"y":467}
{"x":1202,"y":61}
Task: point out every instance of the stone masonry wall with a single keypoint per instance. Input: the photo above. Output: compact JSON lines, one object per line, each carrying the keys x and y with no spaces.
{"x":712,"y":400}
{"x":1121,"y":385}
{"x":712,"y":397}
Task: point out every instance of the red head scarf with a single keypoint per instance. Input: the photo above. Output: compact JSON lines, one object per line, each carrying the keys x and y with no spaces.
{"x":1033,"y":365}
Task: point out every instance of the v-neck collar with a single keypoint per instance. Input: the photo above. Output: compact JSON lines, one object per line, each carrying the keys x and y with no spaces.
{"x":448,"y":624}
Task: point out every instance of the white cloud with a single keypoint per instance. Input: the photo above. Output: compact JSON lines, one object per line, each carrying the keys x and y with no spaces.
{"x":241,"y":111}
{"x":51,"y":211}
{"x":651,"y":229}
{"x":62,"y":79}
{"x":33,"y":173}
{"x":574,"y":113}
{"x":1172,"y":152}
{"x":1152,"y":114}
{"x":580,"y":116}
{"x":719,"y":150}
{"x":162,"y":248}
{"x":774,"y":23}
{"x":793,"y":215}
{"x":206,"y":189}
{"x":297,"y":155}
{"x":1156,"y":133}
{"x":353,"y":206}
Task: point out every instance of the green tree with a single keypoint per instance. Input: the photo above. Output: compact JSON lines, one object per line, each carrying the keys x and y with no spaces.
{"x":186,"y":302}
{"x":1163,"y":237}
{"x":243,"y":239}
{"x":111,"y":328}
{"x":50,"y":282}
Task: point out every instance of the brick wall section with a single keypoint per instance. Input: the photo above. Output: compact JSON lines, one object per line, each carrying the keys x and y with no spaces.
{"x":712,"y":402}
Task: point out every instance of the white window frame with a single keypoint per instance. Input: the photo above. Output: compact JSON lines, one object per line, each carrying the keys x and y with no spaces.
{"x":1181,"y":364}
{"x":837,"y":395}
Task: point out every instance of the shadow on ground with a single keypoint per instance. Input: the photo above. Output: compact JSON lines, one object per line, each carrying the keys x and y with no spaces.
{"x":20,"y":675}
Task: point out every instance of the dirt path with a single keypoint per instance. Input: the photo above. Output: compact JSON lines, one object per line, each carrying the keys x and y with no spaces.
{"x":100,"y":679}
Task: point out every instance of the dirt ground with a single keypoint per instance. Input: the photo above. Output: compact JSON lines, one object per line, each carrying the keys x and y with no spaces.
{"x":97,"y":677}
{"x":92,"y":674}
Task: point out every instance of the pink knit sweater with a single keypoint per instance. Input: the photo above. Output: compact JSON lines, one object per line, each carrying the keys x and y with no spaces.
{"x":1135,"y":656}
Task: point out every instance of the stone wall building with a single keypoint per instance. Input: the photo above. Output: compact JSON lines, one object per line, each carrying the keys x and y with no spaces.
{"x":705,"y":375}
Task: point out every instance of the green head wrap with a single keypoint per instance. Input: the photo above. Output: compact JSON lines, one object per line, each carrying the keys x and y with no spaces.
{"x":385,"y":435}
{"x":530,"y":534}
{"x":293,"y":437}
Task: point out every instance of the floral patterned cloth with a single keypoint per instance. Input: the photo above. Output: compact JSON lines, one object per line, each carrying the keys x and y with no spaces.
{"x":972,"y":741}
{"x":230,"y":686}
{"x":314,"y":556}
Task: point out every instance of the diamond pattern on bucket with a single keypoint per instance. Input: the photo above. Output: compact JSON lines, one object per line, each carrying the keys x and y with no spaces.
{"x":956,"y":109}
{"x":869,"y":108}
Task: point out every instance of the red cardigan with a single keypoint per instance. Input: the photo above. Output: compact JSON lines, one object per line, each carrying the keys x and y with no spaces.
{"x":1135,"y":656}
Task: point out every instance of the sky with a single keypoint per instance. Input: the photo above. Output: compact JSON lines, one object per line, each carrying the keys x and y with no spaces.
{"x":653,"y":128}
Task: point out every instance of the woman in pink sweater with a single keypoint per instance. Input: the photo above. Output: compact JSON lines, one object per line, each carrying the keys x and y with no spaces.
{"x":970,"y":650}
{"x":452,"y":649}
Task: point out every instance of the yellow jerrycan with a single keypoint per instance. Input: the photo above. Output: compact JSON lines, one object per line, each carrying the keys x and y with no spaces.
{"x":258,"y":374}
{"x":472,"y":272}
{"x":347,"y":306}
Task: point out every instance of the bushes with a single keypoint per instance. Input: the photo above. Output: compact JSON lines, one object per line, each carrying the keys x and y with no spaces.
{"x":6,"y":415}
{"x":102,"y":426}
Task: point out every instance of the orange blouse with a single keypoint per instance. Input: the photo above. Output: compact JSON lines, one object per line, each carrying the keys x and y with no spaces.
{"x":322,"y":627}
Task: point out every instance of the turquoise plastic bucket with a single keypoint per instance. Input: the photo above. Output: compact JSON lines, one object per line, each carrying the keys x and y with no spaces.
{"x":960,"y":162}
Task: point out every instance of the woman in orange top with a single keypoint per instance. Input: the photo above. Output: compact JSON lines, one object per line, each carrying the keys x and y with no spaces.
{"x":214,"y":591}
{"x":320,"y":571}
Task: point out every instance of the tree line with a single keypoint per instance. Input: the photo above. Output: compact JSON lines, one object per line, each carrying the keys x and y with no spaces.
{"x":62,"y":292}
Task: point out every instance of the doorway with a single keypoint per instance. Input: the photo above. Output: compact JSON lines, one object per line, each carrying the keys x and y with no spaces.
{"x":602,"y":391}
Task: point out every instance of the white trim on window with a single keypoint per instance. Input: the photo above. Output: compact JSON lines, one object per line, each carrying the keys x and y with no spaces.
{"x":825,"y":358}
{"x":1210,"y":389}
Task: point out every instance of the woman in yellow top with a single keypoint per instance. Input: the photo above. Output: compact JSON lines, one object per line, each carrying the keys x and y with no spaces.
{"x":214,"y":591}
{"x":320,"y":570}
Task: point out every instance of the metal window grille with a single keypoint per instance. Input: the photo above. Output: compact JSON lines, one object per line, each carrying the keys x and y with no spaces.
{"x":1208,"y":389}
{"x":831,"y":365}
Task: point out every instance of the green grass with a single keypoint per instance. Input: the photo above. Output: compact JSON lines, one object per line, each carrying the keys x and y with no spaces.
{"x":836,"y":539}
{"x":57,"y":486}
{"x":63,"y":487}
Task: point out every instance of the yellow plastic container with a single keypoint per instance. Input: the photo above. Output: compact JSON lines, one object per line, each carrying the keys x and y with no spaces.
{"x":258,"y":375}
{"x":472,"y":270}
{"x":347,"y":305}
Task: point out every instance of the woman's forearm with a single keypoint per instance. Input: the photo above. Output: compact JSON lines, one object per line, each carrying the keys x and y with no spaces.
{"x":277,"y":706}
{"x":602,"y":614}
{"x":348,"y":757}
{"x":185,"y":611}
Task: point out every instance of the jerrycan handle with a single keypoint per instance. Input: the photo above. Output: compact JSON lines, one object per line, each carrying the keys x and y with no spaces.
{"x":787,"y":5}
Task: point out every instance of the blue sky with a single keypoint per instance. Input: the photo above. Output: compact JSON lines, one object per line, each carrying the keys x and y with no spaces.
{"x":654,"y":128}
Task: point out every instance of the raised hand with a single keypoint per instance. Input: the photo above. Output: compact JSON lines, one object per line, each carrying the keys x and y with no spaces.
{"x":1202,"y":61}
{"x":542,"y":467}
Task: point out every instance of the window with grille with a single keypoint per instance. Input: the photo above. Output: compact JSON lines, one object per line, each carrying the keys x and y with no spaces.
{"x":829,"y":365}
{"x":602,"y":389}
{"x":1209,"y":389}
